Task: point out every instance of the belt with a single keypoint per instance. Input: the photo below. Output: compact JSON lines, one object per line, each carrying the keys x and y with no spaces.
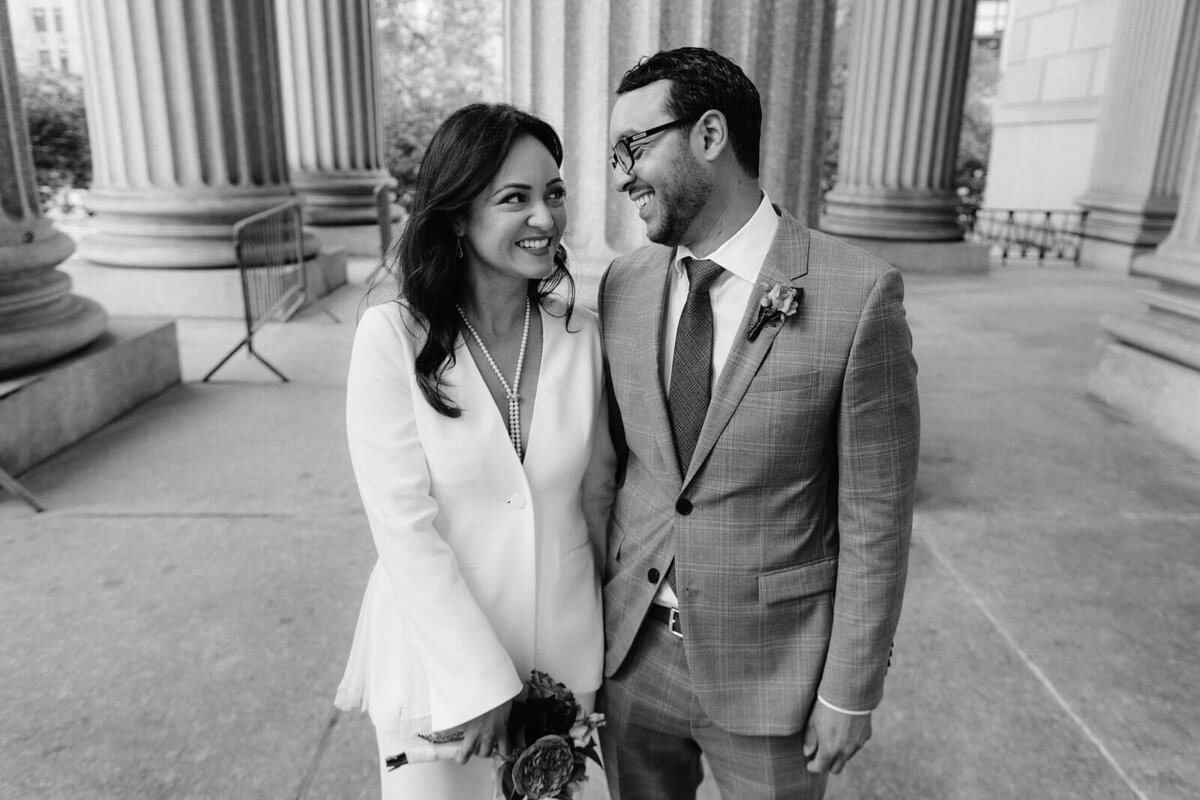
{"x":667,"y":616}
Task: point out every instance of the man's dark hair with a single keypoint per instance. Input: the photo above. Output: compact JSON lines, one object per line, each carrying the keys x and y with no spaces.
{"x":703,"y":79}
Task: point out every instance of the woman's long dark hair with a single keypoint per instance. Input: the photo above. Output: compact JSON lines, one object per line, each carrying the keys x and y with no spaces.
{"x":463,"y":157}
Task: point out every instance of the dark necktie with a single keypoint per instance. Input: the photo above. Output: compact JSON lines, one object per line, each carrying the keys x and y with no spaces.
{"x":691,"y":367}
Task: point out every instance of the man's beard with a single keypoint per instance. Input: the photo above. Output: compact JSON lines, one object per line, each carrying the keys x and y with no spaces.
{"x":680,"y":199}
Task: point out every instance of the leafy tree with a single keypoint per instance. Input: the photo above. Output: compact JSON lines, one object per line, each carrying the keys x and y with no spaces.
{"x":434,"y":58}
{"x":975,"y":141}
{"x":58,"y":135}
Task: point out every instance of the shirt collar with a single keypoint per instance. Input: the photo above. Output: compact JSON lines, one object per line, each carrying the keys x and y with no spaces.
{"x":743,"y":253}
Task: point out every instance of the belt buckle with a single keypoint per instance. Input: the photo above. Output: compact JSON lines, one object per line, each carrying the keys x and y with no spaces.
{"x":673,"y":623}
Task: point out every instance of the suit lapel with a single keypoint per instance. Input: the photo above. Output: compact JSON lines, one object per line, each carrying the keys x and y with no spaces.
{"x":786,"y":263}
{"x":649,"y":337}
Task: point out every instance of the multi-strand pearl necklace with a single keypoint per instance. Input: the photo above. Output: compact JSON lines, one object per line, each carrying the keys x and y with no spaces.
{"x":511,"y":392}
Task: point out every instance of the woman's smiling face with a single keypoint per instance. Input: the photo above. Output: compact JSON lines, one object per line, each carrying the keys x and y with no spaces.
{"x":514,"y":226}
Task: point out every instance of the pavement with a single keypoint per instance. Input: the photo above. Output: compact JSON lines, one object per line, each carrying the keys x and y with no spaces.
{"x":175,"y":625}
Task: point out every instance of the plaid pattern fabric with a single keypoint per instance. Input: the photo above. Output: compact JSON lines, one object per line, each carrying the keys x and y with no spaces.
{"x":655,"y":731}
{"x":691,"y":367}
{"x":791,"y":549}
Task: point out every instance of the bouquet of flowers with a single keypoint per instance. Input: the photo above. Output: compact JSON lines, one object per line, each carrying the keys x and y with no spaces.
{"x":552,"y":740}
{"x":551,"y":737}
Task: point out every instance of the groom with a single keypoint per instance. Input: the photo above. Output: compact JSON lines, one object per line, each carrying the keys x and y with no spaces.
{"x":765,"y":401}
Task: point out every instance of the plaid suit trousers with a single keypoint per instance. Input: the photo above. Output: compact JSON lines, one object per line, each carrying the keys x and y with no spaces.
{"x":655,"y":731}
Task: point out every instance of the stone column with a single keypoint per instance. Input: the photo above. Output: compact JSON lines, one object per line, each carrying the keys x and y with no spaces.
{"x":1133,"y":192}
{"x":40,"y":319}
{"x":1151,"y":369}
{"x":557,"y":66}
{"x":794,"y":47}
{"x":900,"y":128}
{"x":329,"y":78}
{"x":187,"y":138}
{"x":564,"y":61}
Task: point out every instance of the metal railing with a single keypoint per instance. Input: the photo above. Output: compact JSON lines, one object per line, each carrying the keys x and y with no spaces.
{"x":1053,"y":234}
{"x":269,"y":248}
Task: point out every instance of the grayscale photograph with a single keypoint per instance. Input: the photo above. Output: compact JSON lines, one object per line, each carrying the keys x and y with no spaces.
{"x":600,"y":400}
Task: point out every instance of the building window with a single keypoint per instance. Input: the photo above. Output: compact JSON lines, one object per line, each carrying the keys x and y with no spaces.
{"x":64,"y":63}
{"x":44,"y":59}
{"x":58,"y":20}
{"x":39,"y":20}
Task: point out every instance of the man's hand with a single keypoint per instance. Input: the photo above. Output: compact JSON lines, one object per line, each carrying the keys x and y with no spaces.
{"x":486,"y":733}
{"x":832,"y":738}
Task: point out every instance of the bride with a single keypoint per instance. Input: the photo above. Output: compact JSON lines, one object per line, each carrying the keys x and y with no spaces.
{"x":479,"y":440}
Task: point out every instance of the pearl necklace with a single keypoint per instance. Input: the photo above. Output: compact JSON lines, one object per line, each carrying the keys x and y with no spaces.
{"x":513,"y":392}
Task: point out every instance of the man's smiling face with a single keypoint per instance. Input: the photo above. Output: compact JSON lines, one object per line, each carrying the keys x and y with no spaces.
{"x":667,"y":183}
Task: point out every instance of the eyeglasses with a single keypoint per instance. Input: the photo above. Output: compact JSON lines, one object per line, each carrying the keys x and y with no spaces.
{"x":623,"y":153}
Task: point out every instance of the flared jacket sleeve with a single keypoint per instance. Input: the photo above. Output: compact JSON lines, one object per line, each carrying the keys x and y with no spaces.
{"x":467,"y":669}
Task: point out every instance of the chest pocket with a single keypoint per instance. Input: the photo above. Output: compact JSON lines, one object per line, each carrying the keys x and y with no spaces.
{"x":788,"y":382}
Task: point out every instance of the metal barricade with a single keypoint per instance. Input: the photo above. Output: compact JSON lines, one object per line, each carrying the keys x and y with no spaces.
{"x":269,"y":247}
{"x":9,"y":483}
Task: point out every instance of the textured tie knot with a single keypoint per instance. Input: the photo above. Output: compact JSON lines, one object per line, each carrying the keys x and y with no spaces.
{"x":701,"y":274}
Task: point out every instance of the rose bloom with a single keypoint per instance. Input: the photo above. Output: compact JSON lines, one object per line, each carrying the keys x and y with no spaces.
{"x":544,"y":768}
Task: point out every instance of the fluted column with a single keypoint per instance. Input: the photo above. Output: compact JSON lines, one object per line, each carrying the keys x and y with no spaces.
{"x":901,"y":123}
{"x":39,"y":317}
{"x":564,"y":60}
{"x":1152,"y":368}
{"x":1135,"y":182}
{"x":186,"y":128}
{"x":794,"y":49}
{"x":329,"y":78}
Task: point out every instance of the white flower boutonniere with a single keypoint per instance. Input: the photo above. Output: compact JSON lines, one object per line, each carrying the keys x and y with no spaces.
{"x":777,"y":304}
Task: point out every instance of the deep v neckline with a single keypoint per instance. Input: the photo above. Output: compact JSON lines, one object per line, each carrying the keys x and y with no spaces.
{"x":499,"y":419}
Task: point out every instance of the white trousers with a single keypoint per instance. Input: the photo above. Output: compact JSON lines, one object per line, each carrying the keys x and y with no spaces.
{"x":441,"y":780}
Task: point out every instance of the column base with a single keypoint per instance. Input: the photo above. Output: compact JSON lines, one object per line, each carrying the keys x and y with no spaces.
{"x":139,"y":292}
{"x":1151,"y":389}
{"x":48,"y":410}
{"x":1119,"y":229}
{"x":933,"y":258}
{"x":75,"y":323}
{"x":1111,"y":256}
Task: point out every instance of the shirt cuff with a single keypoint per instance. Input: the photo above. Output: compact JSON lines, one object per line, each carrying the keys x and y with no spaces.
{"x":828,"y":704}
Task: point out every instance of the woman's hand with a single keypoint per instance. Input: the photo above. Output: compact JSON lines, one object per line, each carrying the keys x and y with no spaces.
{"x":486,"y":734}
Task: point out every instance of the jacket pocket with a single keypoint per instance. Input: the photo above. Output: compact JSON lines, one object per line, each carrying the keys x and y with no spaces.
{"x":785,"y":383}
{"x":790,"y":583}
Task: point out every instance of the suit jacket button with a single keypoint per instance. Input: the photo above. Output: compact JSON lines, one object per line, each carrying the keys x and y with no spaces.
{"x":683,"y":506}
{"x":652,"y":575}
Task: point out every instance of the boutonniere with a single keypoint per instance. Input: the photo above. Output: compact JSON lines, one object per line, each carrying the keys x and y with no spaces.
{"x":777,"y":304}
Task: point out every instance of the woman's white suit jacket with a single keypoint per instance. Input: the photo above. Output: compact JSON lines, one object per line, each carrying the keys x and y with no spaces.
{"x":487,"y":566}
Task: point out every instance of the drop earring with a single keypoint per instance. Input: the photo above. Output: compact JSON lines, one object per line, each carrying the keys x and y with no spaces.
{"x":458,"y":245}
